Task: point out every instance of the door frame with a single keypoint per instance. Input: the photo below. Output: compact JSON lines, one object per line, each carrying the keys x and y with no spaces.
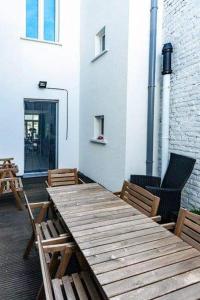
{"x":56,"y":101}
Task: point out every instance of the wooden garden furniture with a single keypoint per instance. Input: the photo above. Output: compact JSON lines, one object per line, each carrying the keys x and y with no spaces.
{"x":9,"y":183}
{"x":47,"y":229}
{"x":130,"y":255}
{"x":60,"y":286}
{"x":141,"y":199}
{"x":187,"y":227}
{"x":62,"y":177}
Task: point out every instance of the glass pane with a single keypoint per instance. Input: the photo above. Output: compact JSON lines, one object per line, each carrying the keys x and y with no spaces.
{"x":40,"y":136}
{"x":32,"y":18}
{"x":49,"y":20}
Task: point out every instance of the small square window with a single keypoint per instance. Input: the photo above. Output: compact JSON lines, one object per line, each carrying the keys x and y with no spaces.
{"x":99,"y":127}
{"x":100,"y":41}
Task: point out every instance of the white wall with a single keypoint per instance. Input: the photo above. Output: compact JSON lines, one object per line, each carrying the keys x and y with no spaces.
{"x":104,"y":90}
{"x":23,"y":63}
{"x":137,"y":87}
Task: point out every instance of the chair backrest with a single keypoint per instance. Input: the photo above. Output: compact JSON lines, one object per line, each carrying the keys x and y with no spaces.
{"x":179,"y":170}
{"x":45,"y":272}
{"x":62,"y":177}
{"x":188,"y":227}
{"x":140,"y":198}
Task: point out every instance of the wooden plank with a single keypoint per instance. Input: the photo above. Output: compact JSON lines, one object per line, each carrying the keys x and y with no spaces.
{"x":122,"y":241}
{"x":90,"y":286}
{"x":115,"y":232}
{"x":57,"y":289}
{"x":86,"y":209}
{"x":141,"y":219}
{"x":129,"y":260}
{"x":190,"y":292}
{"x":116,"y":207}
{"x":132,"y":270}
{"x":52,"y":229}
{"x":45,"y":231}
{"x":102,"y":216}
{"x":162,"y":287}
{"x":68,"y":288}
{"x":159,"y":240}
{"x":117,"y":220}
{"x":79,"y":287}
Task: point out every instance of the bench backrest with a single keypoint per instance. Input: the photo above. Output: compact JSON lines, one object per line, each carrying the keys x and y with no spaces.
{"x":188,"y":227}
{"x":139,"y":198}
{"x":62,"y":177}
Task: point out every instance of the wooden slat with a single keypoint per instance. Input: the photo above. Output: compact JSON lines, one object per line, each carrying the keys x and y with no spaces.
{"x":68,"y":288}
{"x":158,"y":240}
{"x":117,"y":263}
{"x":190,"y":292}
{"x":57,"y":289}
{"x":111,"y":227}
{"x":45,"y":231}
{"x":115,"y":232}
{"x":162,"y":287}
{"x":132,"y":270}
{"x":52,"y":229}
{"x":90,"y":286}
{"x":122,"y":241}
{"x":79,"y":287}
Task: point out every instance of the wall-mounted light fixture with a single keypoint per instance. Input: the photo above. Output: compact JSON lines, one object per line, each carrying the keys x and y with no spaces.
{"x":43,"y":85}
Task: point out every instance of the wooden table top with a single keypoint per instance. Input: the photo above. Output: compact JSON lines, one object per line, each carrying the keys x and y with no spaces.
{"x":131,"y":256}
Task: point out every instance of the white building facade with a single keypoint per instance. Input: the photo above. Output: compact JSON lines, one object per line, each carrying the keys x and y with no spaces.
{"x":40,"y":46}
{"x":114,"y":85}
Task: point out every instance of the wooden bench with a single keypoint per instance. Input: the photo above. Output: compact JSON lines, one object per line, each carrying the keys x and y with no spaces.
{"x":74,"y":286}
{"x":63,"y":177}
{"x":141,"y":199}
{"x":187,"y":227}
{"x":50,"y":229}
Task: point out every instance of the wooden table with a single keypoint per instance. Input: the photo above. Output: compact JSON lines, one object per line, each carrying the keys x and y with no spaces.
{"x":131,"y":256}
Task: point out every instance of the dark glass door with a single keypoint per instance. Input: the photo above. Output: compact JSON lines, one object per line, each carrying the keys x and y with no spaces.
{"x":40,"y":136}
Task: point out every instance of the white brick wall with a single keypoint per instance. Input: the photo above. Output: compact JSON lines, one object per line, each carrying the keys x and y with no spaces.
{"x":182,"y":28}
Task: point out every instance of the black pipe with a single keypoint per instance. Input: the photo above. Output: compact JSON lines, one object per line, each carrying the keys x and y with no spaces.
{"x":167,"y":58}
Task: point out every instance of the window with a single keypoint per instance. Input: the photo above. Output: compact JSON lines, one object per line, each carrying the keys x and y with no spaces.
{"x":32,"y":19}
{"x":100,"y":44}
{"x":99,"y":127}
{"x":42,"y":19}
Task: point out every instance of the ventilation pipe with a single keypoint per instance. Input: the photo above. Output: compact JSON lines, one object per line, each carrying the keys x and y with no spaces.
{"x":151,"y":86}
{"x":167,"y":54}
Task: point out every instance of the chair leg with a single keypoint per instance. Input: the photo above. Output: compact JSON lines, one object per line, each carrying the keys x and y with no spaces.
{"x":41,"y":295}
{"x":29,"y":246}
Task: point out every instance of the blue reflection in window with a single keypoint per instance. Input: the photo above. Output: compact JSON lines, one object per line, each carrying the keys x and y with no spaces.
{"x":32,"y":19}
{"x":49,"y":20}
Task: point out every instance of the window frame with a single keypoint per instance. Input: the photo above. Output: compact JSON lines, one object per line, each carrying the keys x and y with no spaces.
{"x":100,"y":45}
{"x":41,"y":23}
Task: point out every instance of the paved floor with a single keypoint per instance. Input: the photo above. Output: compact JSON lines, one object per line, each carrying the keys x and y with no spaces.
{"x":19,"y":279}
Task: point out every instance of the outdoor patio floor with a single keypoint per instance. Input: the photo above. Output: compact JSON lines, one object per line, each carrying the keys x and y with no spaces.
{"x":19,"y":278}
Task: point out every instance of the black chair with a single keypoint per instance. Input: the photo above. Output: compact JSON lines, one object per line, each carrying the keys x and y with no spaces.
{"x":179,"y":170}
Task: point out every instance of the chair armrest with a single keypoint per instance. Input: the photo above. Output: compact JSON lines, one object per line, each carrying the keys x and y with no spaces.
{"x":59,"y":247}
{"x":156,"y":218}
{"x":169,"y":226}
{"x":117,"y":193}
{"x":39,"y":204}
{"x":143,"y":180}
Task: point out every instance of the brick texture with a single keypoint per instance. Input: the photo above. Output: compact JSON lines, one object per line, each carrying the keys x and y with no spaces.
{"x":181,"y":27}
